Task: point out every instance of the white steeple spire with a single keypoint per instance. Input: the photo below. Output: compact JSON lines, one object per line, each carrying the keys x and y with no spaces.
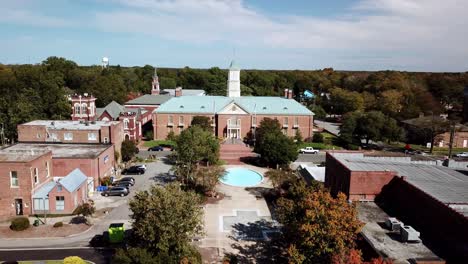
{"x":155,"y":83}
{"x":233,"y":84}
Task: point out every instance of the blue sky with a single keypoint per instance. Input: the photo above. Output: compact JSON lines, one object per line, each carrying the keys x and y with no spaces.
{"x":412,"y":35}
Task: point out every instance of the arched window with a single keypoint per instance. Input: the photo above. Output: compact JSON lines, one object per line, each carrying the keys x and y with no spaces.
{"x":77,"y":109}
{"x":83,"y":108}
{"x":125,"y":123}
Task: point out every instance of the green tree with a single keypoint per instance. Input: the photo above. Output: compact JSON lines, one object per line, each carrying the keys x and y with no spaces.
{"x":203,"y":122}
{"x":319,"y":112}
{"x":343,"y":101}
{"x":194,"y":145}
{"x":274,"y":147}
{"x":208,"y":177}
{"x":317,"y":137}
{"x":298,"y":137}
{"x":165,"y":219}
{"x":280,"y":177}
{"x":128,"y":150}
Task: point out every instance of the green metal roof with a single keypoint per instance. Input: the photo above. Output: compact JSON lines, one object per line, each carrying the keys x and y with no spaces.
{"x":253,"y":104}
{"x":149,"y":99}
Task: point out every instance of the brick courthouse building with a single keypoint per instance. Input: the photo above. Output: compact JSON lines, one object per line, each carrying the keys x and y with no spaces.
{"x":233,"y":116}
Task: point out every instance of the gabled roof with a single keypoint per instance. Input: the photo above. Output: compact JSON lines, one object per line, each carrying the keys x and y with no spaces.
{"x":44,"y":191}
{"x":113,"y":109}
{"x":252,"y":104}
{"x":149,"y":99}
{"x":73,"y":180}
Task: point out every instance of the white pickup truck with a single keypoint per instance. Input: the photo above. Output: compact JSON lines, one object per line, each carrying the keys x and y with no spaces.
{"x":309,"y":150}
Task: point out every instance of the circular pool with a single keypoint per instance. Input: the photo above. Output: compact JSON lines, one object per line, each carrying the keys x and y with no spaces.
{"x":241,"y":177}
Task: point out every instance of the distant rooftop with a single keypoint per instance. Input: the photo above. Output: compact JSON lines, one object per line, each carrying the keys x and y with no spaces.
{"x":20,"y":155}
{"x":185,"y":92}
{"x":62,"y":150}
{"x":71,"y":125}
{"x":113,"y":109}
{"x":385,"y":242}
{"x":447,"y":185}
{"x":149,"y":99}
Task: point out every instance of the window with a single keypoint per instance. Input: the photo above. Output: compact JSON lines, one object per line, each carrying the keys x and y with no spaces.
{"x":285,"y":131}
{"x":171,"y":120}
{"x":106,"y":140}
{"x":125,"y":123}
{"x":171,"y":129}
{"x":285,"y":121}
{"x":38,"y":135}
{"x":254,"y":121}
{"x":92,"y":136}
{"x":59,"y":187}
{"x":41,"y":204}
{"x":77,"y":109}
{"x":181,"y":120}
{"x":14,"y":179}
{"x":59,"y":203}
{"x":83,"y":109}
{"x":68,"y":136}
{"x":296,"y":121}
{"x":36,"y":175}
{"x":47,"y":169}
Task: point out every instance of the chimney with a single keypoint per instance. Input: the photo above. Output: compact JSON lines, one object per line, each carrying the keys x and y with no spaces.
{"x":290,"y":94}
{"x":286,"y":92}
{"x":178,"y":91}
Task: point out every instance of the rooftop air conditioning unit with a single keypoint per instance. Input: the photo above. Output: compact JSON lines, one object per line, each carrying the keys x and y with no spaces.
{"x":408,"y":234}
{"x":393,"y":224}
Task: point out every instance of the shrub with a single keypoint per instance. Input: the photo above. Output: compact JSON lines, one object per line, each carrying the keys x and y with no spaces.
{"x":20,"y":224}
{"x":106,"y":181}
{"x":353,"y":147}
{"x":73,"y":260}
{"x":58,"y":224}
{"x":85,"y":210}
{"x":171,"y":136}
{"x":317,"y":138}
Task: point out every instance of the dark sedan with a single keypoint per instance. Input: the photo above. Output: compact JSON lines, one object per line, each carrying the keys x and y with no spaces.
{"x":133,"y":170}
{"x":156,"y":148}
{"x":126,"y":184}
{"x":115,"y":191}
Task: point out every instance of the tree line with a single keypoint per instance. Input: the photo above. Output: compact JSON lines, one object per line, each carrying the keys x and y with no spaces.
{"x":39,"y":91}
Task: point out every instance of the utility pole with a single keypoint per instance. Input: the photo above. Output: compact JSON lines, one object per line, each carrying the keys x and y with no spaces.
{"x":452,"y":135}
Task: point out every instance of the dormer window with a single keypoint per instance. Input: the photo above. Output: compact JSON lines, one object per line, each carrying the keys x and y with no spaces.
{"x":181,"y":106}
{"x":202,"y":107}
{"x":264,"y":108}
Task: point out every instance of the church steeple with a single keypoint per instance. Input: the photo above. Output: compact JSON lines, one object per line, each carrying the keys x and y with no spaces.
{"x":155,"y":84}
{"x":233,"y":84}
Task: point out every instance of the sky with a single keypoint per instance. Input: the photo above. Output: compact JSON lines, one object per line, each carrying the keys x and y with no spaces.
{"x":409,"y":35}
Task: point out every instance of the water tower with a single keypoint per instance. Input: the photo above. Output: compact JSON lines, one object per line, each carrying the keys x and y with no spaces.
{"x":105,"y":62}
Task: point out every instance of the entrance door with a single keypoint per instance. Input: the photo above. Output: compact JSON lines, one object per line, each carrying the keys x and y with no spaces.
{"x":19,"y":206}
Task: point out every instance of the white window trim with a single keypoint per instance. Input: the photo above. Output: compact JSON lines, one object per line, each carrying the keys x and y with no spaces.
{"x":47,"y":169}
{"x":68,"y":136}
{"x":36,"y":176}
{"x":92,"y":136}
{"x":126,"y":121}
{"x":56,"y":203}
{"x":11,"y":180}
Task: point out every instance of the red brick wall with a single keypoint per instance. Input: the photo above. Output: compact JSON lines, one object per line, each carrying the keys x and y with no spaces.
{"x":69,"y":199}
{"x":90,"y":167}
{"x":441,"y":227}
{"x":25,"y":178}
{"x":337,"y":176}
{"x":31,"y":133}
{"x":458,"y":139}
{"x":161,"y":129}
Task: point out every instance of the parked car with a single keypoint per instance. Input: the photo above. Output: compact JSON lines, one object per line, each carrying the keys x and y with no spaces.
{"x":142,"y":166}
{"x":462,"y":155}
{"x":417,"y":152}
{"x":156,"y":148}
{"x":310,"y":150}
{"x":125,"y":184}
{"x":131,"y":180}
{"x":133,"y":170}
{"x":115,"y":191}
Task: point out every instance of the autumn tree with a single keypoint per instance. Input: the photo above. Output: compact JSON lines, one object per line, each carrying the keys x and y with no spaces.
{"x":208,"y":177}
{"x":165,"y":219}
{"x":318,"y":226}
{"x":279,"y":177}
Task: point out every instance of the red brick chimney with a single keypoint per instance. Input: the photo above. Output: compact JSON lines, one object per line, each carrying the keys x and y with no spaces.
{"x":290,"y":94}
{"x":286,"y":92}
{"x":178,"y":91}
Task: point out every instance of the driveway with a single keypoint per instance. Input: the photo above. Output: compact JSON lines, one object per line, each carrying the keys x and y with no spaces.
{"x":121,"y":214}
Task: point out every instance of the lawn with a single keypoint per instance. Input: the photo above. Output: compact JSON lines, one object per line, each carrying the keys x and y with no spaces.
{"x":164,"y":143}
{"x":328,"y":143}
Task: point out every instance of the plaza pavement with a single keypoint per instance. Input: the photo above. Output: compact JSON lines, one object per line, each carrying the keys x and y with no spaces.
{"x":236,"y":198}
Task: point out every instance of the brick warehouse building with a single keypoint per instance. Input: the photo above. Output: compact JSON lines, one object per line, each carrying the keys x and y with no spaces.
{"x":433,"y":199}
{"x":29,"y":185}
{"x":233,"y":116}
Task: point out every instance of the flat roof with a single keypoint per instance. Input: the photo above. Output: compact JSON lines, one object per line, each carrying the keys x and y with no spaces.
{"x":70,"y":124}
{"x":184,"y":92}
{"x":149,"y":99}
{"x":84,"y":151}
{"x":447,"y":185}
{"x":23,"y":155}
{"x":384,"y":241}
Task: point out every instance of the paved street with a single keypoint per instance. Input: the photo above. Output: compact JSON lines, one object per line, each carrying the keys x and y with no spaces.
{"x":119,"y":214}
{"x":144,"y":153}
{"x":315,"y":158}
